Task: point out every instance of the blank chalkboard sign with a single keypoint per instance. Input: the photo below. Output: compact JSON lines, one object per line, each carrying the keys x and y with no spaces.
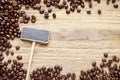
{"x":36,"y":35}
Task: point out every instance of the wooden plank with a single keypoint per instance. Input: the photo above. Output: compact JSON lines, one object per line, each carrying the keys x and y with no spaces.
{"x":76,"y":39}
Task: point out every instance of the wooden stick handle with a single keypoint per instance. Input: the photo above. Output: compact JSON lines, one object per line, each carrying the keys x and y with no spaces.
{"x":30,"y":60}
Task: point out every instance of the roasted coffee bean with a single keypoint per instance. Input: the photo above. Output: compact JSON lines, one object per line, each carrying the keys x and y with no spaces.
{"x":54,"y":16}
{"x":49,"y":10}
{"x":27,"y":6}
{"x":99,"y":12}
{"x":108,"y":2}
{"x":82,"y":5}
{"x":12,"y":52}
{"x":73,"y":76}
{"x":78,"y":10}
{"x":103,"y":60}
{"x":17,"y":48}
{"x":7,"y":52}
{"x":88,"y":12}
{"x":93,"y":64}
{"x":72,"y":9}
{"x":90,"y":5}
{"x":68,"y":11}
{"x":19,"y":57}
{"x":115,"y":5}
{"x":33,"y":17}
{"x":33,"y":21}
{"x":41,"y":11}
{"x":105,"y":55}
{"x":66,"y":6}
{"x":46,"y":15}
{"x":98,"y":1}
{"x":9,"y":61}
{"x":113,"y":1}
{"x":117,"y":59}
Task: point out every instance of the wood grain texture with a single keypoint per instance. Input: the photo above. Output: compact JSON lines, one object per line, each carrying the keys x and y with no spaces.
{"x":76,"y":39}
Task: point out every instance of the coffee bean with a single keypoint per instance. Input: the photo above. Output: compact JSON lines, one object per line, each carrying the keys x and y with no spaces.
{"x":66,"y":6}
{"x":41,"y":11}
{"x":46,"y":15}
{"x":68,"y":11}
{"x":88,"y":12}
{"x":78,"y":10}
{"x":105,"y":55}
{"x":49,"y":10}
{"x":99,"y":12}
{"x":82,"y":5}
{"x":12,"y":52}
{"x":7,"y":52}
{"x":9,"y":61}
{"x":17,"y":48}
{"x":115,"y":5}
{"x":90,"y":5}
{"x":19,"y":57}
{"x":33,"y":21}
{"x":93,"y":64}
{"x":108,"y":2}
{"x":27,"y":6}
{"x":54,"y":16}
{"x":73,"y":76}
{"x":113,"y":1}
{"x":72,"y":9}
{"x":103,"y":60}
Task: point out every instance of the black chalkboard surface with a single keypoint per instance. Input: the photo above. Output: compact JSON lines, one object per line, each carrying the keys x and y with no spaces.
{"x":35,"y":35}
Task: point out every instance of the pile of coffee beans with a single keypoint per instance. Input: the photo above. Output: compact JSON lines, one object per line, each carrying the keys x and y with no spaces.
{"x":9,"y":26}
{"x":109,"y":69}
{"x":68,"y":5}
{"x":51,"y":73}
{"x":11,"y":69}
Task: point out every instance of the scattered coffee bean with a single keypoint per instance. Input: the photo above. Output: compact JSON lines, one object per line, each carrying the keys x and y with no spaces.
{"x":54,"y":16}
{"x":68,"y":11}
{"x":33,"y":19}
{"x":19,"y":57}
{"x":103,"y":60}
{"x":113,"y":1}
{"x":46,"y":15}
{"x":49,"y":10}
{"x":94,"y":64}
{"x":105,"y":55}
{"x":115,"y":5}
{"x":7,"y":52}
{"x":12,"y":52}
{"x":78,"y":10}
{"x":17,"y":48}
{"x":73,"y":76}
{"x":27,"y":6}
{"x":99,"y":12}
{"x":88,"y":12}
{"x":41,"y":11}
{"x":90,"y":5}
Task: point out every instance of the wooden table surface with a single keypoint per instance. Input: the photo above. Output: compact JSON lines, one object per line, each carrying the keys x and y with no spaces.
{"x":76,"y":39}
